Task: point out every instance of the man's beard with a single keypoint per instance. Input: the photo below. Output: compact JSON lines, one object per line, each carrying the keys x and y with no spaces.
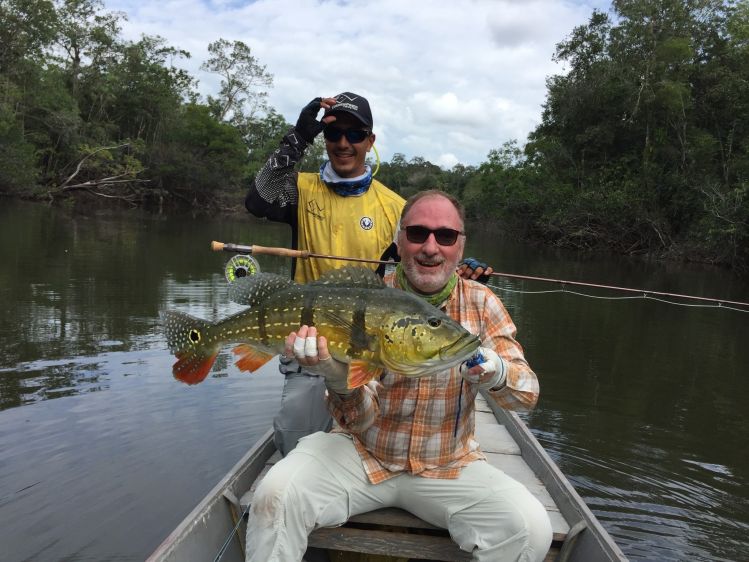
{"x":429,"y":281}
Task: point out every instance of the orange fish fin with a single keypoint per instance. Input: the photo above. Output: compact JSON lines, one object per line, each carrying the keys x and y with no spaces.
{"x":250,"y":358}
{"x":361,"y":372}
{"x":192,"y":368}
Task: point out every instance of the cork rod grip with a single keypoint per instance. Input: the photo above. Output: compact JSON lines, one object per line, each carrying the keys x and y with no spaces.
{"x":258,"y":250}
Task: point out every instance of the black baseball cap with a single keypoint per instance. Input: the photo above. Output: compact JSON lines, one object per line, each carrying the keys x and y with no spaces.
{"x":354,"y":104}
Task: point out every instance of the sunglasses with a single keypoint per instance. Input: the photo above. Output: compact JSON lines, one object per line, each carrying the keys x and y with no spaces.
{"x":353,"y":136}
{"x":418,"y":234}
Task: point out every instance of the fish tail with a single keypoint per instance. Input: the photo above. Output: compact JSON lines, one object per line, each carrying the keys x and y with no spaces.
{"x":186,"y":337}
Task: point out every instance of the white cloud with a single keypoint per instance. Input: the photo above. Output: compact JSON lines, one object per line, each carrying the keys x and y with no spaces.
{"x":447,"y":161}
{"x":447,"y":81}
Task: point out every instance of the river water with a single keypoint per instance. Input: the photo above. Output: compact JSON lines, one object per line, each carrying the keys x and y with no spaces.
{"x":643,"y":403}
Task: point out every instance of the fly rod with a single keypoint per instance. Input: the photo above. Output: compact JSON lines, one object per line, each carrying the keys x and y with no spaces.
{"x":305,"y":254}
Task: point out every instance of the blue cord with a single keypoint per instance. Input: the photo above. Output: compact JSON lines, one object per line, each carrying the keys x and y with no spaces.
{"x":460,"y":404}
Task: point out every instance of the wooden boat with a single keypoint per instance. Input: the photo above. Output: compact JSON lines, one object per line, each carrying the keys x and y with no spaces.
{"x":206,"y":533}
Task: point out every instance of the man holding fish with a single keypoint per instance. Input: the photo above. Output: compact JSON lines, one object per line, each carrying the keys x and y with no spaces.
{"x":406,"y":440}
{"x":342,"y":210}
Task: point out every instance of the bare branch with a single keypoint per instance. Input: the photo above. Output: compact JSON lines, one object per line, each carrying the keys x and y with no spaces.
{"x":80,"y":164}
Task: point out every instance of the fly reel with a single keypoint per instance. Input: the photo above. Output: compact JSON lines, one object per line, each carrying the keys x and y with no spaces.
{"x":240,"y":265}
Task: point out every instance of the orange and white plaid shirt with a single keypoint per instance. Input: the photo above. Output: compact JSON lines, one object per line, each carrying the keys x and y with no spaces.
{"x":425,"y":425}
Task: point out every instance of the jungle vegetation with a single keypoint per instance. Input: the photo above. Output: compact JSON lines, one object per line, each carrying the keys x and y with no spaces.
{"x":643,"y":147}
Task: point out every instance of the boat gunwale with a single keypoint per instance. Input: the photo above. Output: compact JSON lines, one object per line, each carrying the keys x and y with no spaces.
{"x":571,"y":505}
{"x":251,"y":464}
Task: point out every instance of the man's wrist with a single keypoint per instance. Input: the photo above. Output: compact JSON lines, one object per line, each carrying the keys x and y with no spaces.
{"x":296,"y":140}
{"x":497,"y":381}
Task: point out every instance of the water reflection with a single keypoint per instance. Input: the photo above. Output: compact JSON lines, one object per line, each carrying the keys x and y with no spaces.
{"x":40,"y":382}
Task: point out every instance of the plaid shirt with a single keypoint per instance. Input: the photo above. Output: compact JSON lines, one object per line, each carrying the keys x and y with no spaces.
{"x":425,"y":425}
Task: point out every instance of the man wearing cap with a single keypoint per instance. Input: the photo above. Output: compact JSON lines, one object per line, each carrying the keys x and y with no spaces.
{"x":341,"y":211}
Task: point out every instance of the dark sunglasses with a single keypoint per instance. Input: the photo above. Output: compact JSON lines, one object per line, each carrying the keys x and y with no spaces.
{"x":354,"y":136}
{"x":418,"y":234}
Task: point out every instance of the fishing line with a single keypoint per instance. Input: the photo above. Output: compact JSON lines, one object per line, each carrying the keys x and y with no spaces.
{"x":377,"y":155}
{"x":222,"y":550}
{"x":644,"y":296}
{"x":642,"y":293}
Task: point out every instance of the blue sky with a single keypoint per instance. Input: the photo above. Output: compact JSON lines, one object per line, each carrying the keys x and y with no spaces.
{"x":447,"y":80}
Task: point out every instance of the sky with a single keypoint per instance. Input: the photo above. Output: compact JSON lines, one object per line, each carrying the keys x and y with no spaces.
{"x":446,"y":80}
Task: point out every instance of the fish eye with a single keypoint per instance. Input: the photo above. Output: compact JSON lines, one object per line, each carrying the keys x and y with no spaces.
{"x":194,"y":336}
{"x":434,"y":322}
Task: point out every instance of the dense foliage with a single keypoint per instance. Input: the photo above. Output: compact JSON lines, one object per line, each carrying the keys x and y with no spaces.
{"x":83,"y":110}
{"x":643,"y":145}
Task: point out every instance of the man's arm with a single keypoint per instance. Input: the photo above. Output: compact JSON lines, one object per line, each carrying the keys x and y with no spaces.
{"x":274,"y":193}
{"x":356,"y":411}
{"x":519,"y":389}
{"x":353,"y":409}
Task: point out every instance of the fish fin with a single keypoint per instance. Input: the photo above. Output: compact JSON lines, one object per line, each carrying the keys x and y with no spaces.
{"x":344,"y":330}
{"x":193,"y":367}
{"x":185,"y":336}
{"x":253,"y":290}
{"x":361,"y":372}
{"x":342,"y":324}
{"x":250,"y":358}
{"x":351,"y":276}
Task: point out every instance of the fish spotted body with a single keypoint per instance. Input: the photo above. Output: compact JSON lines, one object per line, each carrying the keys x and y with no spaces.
{"x":367,"y":325}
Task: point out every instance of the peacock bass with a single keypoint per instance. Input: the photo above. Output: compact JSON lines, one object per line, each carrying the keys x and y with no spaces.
{"x":368,"y":325}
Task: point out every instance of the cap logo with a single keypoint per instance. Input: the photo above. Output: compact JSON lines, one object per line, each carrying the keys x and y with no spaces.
{"x":345,"y":101}
{"x":354,"y":104}
{"x":350,"y":106}
{"x":341,"y":97}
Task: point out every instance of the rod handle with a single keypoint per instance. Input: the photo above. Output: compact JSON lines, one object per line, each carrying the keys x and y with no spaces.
{"x":259,"y":250}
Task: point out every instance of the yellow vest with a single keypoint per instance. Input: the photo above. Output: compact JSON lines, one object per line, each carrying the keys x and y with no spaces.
{"x":360,"y":226}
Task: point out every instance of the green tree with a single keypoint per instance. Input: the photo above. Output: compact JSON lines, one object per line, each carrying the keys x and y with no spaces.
{"x":632,"y":134}
{"x":85,"y":33}
{"x":200,"y":160}
{"x":243,"y":81}
{"x":27,"y":28}
{"x":18,"y":162}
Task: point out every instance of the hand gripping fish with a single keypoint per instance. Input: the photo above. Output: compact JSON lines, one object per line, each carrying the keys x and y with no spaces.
{"x":368,"y":325}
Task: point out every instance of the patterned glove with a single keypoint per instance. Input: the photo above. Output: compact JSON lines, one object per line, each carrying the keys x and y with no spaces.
{"x":473,"y":264}
{"x":486,"y":369}
{"x":307,"y":125}
{"x":335,"y":373}
{"x":305,"y":351}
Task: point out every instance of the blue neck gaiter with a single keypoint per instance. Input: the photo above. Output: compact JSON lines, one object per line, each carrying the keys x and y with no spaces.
{"x":346,"y":187}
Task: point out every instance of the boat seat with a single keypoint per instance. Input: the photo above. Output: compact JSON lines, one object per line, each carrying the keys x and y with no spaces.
{"x":396,"y":532}
{"x":390,"y":532}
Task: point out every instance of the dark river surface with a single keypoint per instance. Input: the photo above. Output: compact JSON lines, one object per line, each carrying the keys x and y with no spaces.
{"x":644,"y":405}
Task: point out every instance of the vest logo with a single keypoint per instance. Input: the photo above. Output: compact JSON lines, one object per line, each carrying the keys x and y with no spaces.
{"x":314,"y":209}
{"x":366,"y":223}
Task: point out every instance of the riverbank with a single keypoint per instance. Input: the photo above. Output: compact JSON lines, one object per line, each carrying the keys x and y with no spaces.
{"x":233,"y":206}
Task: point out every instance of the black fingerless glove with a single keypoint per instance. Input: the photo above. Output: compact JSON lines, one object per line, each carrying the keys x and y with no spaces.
{"x":307,"y":125}
{"x":474,"y":264}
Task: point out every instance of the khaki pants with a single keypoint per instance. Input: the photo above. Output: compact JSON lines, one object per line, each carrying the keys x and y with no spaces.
{"x":321,"y":483}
